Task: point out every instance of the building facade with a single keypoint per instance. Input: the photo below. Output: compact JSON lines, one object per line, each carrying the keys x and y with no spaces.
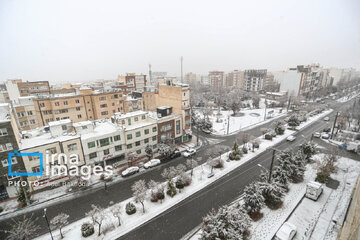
{"x":254,"y":80}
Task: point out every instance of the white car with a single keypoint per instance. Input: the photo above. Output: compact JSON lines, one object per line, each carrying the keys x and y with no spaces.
{"x":189,"y":152}
{"x":152,"y":163}
{"x":286,"y":232}
{"x":317,"y":134}
{"x":325,"y":135}
{"x":291,"y":138}
{"x":326,"y":119}
{"x":130,"y":171}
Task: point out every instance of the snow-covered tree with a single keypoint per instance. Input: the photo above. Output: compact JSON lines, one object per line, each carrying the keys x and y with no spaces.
{"x":255,"y":101}
{"x":191,"y":163}
{"x":308,"y":149}
{"x":294,"y":121}
{"x":23,"y":195}
{"x":97,"y":216}
{"x":22,"y":229}
{"x":116,"y":212}
{"x":279,"y":128}
{"x":169,"y":173}
{"x":149,"y":152}
{"x":228,"y":223}
{"x":59,"y":221}
{"x":253,"y":199}
{"x":272,"y":193}
{"x":280,"y":177}
{"x":139,"y":192}
{"x":164,"y":149}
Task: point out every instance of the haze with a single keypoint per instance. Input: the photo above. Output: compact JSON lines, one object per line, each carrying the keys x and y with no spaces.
{"x":67,"y":41}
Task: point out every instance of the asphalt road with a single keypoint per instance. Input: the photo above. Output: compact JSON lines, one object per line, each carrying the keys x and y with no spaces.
{"x":178,"y":220}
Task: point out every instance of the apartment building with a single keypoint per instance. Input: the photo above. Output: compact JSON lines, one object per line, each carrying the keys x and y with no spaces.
{"x":133,"y":82}
{"x":150,"y":100}
{"x":4,"y":96}
{"x":139,"y":129}
{"x":8,"y":143}
{"x":289,"y":81}
{"x":217,"y":79}
{"x":103,"y":142}
{"x":313,"y":78}
{"x":254,"y":80}
{"x":59,"y":138}
{"x":177,"y":96}
{"x":190,"y":78}
{"x":17,"y":88}
{"x":24,"y":114}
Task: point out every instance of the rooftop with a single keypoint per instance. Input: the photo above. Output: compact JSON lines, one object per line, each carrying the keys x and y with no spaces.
{"x":60,"y":122}
{"x":101,"y":129}
{"x":130,"y":114}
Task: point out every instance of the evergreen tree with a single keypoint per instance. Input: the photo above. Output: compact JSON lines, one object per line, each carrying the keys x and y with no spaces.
{"x":280,"y":177}
{"x":21,"y":197}
{"x":308,"y":149}
{"x":253,"y":199}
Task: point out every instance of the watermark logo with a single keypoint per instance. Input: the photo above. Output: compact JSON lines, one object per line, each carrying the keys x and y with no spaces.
{"x":17,"y":154}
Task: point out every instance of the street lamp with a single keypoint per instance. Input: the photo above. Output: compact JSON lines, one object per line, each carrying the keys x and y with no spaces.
{"x":44,"y":216}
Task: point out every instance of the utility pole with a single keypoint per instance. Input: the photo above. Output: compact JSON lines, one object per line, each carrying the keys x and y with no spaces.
{"x":288,"y":104}
{"x":47,"y":221}
{"x":228,"y":126}
{"x":271,"y":166}
{"x":181,"y":59}
{"x":265,"y":111}
{"x":332,"y":131}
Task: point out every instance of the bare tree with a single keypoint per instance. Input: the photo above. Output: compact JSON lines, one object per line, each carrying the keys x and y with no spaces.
{"x":116,"y":212}
{"x":59,"y":221}
{"x":22,"y":229}
{"x":191,"y":163}
{"x":97,"y":216}
{"x":169,"y":173}
{"x":132,"y":156}
{"x":139,"y":192}
{"x":243,"y":137}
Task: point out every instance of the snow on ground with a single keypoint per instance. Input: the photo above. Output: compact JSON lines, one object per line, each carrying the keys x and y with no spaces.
{"x":314,"y":218}
{"x":200,"y":180}
{"x":347,"y":98}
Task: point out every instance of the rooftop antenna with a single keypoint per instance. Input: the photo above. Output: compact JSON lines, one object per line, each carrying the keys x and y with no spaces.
{"x":181,"y":59}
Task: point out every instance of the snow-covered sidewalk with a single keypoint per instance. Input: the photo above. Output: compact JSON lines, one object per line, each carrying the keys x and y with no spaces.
{"x":200,"y":181}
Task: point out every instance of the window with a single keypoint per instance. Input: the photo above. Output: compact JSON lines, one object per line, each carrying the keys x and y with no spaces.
{"x":51,"y":150}
{"x":123,"y":121}
{"x":129,"y":121}
{"x":138,"y":151}
{"x":42,"y":104}
{"x":118,"y":148}
{"x":5,"y":162}
{"x":154,"y":146}
{"x":154,"y":138}
{"x":104,"y":142}
{"x":29,"y":113}
{"x":66,"y":103}
{"x":146,"y":131}
{"x":34,"y":158}
{"x":24,"y":123}
{"x":79,"y":115}
{"x":77,"y":108}
{"x":143,"y":117}
{"x":104,"y":113}
{"x":178,"y":127}
{"x":129,"y":136}
{"x":129,"y":146}
{"x":77,"y":101}
{"x":106,"y":152}
{"x":138,"y":134}
{"x":84,"y":127}
{"x":21,"y":114}
{"x":35,"y":169}
{"x":103,"y":105}
{"x":3,"y":132}
{"x":117,"y":138}
{"x":136,"y":119}
{"x":72,"y":147}
{"x":64,"y":127}
{"x":146,"y":140}
{"x":32,"y":121}
{"x":102,"y":98}
{"x":137,"y":143}
{"x":57,"y":104}
{"x":154,"y":129}
{"x":92,"y":155}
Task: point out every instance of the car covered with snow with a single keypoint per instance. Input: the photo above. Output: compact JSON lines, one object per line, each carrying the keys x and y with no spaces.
{"x":325,"y":135}
{"x":317,"y":134}
{"x":130,"y":171}
{"x":189,"y":152}
{"x":152,"y":163}
{"x":313,"y":190}
{"x":326,"y":119}
{"x":286,"y":232}
{"x":205,"y":130}
{"x":291,"y":138}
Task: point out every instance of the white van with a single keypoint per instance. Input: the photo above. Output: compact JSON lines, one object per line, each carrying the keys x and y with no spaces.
{"x":313,"y":190}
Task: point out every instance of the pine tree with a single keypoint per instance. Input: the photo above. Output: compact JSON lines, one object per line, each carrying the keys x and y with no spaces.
{"x":253,"y":199}
{"x":280,"y":177}
{"x":308,"y":149}
{"x":21,"y":197}
{"x":272,"y":193}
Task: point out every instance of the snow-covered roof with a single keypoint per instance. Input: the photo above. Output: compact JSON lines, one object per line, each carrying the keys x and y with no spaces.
{"x":101,"y":129}
{"x":83,"y":123}
{"x":164,"y":107}
{"x":277,"y":93}
{"x":60,"y":122}
{"x":4,"y":112}
{"x":38,"y":137}
{"x":130,"y":114}
{"x":155,"y":116}
{"x":140,"y":125}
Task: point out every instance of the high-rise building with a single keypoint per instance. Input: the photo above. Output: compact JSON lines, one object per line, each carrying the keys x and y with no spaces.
{"x":216,"y":79}
{"x":17,"y":88}
{"x":254,"y":80}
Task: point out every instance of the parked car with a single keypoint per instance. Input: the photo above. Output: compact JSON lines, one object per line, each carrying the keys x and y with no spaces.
{"x":175,"y":154}
{"x":268,"y":136}
{"x":152,"y":163}
{"x":313,"y":190}
{"x":326,"y":118}
{"x":130,"y":171}
{"x":291,"y":138}
{"x":189,"y":152}
{"x":286,"y":232}
{"x":327,"y":129}
{"x":325,"y":135}
{"x":205,"y":130}
{"x":317,"y":134}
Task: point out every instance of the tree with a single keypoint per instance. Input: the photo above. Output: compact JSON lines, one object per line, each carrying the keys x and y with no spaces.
{"x":97,"y":216}
{"x":308,"y":149}
{"x":23,"y":195}
{"x":191,"y":163}
{"x":59,"y":221}
{"x":293,"y":121}
{"x":169,"y":173}
{"x":227,"y":223}
{"x":280,"y":177}
{"x":279,"y":128}
{"x":149,"y":152}
{"x":243,"y":137}
{"x":22,"y":229}
{"x":132,"y":156}
{"x":272,"y":193}
{"x":253,"y":199}
{"x":255,"y":101}
{"x":116,"y":212}
{"x":139,"y":192}
{"x":164,"y":149}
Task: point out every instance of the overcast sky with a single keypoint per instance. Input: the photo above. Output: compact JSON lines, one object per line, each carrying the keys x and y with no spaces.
{"x":83,"y":40}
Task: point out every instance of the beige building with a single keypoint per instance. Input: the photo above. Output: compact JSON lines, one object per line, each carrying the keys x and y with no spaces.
{"x":24,"y":113}
{"x":17,"y":88}
{"x":217,"y":79}
{"x":150,"y":100}
{"x":133,"y":82}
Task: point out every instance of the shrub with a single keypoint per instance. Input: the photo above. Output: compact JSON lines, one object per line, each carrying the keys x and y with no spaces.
{"x":171,"y":191}
{"x":219,"y":163}
{"x":130,"y":208}
{"x":245,"y":150}
{"x":187,"y":180}
{"x":87,"y":229}
{"x":154,"y":197}
{"x":179,"y":184}
{"x":321,"y":178}
{"x":160,"y":195}
{"x":256,"y":144}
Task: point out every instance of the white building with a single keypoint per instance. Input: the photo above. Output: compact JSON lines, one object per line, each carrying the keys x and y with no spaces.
{"x":289,"y":81}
